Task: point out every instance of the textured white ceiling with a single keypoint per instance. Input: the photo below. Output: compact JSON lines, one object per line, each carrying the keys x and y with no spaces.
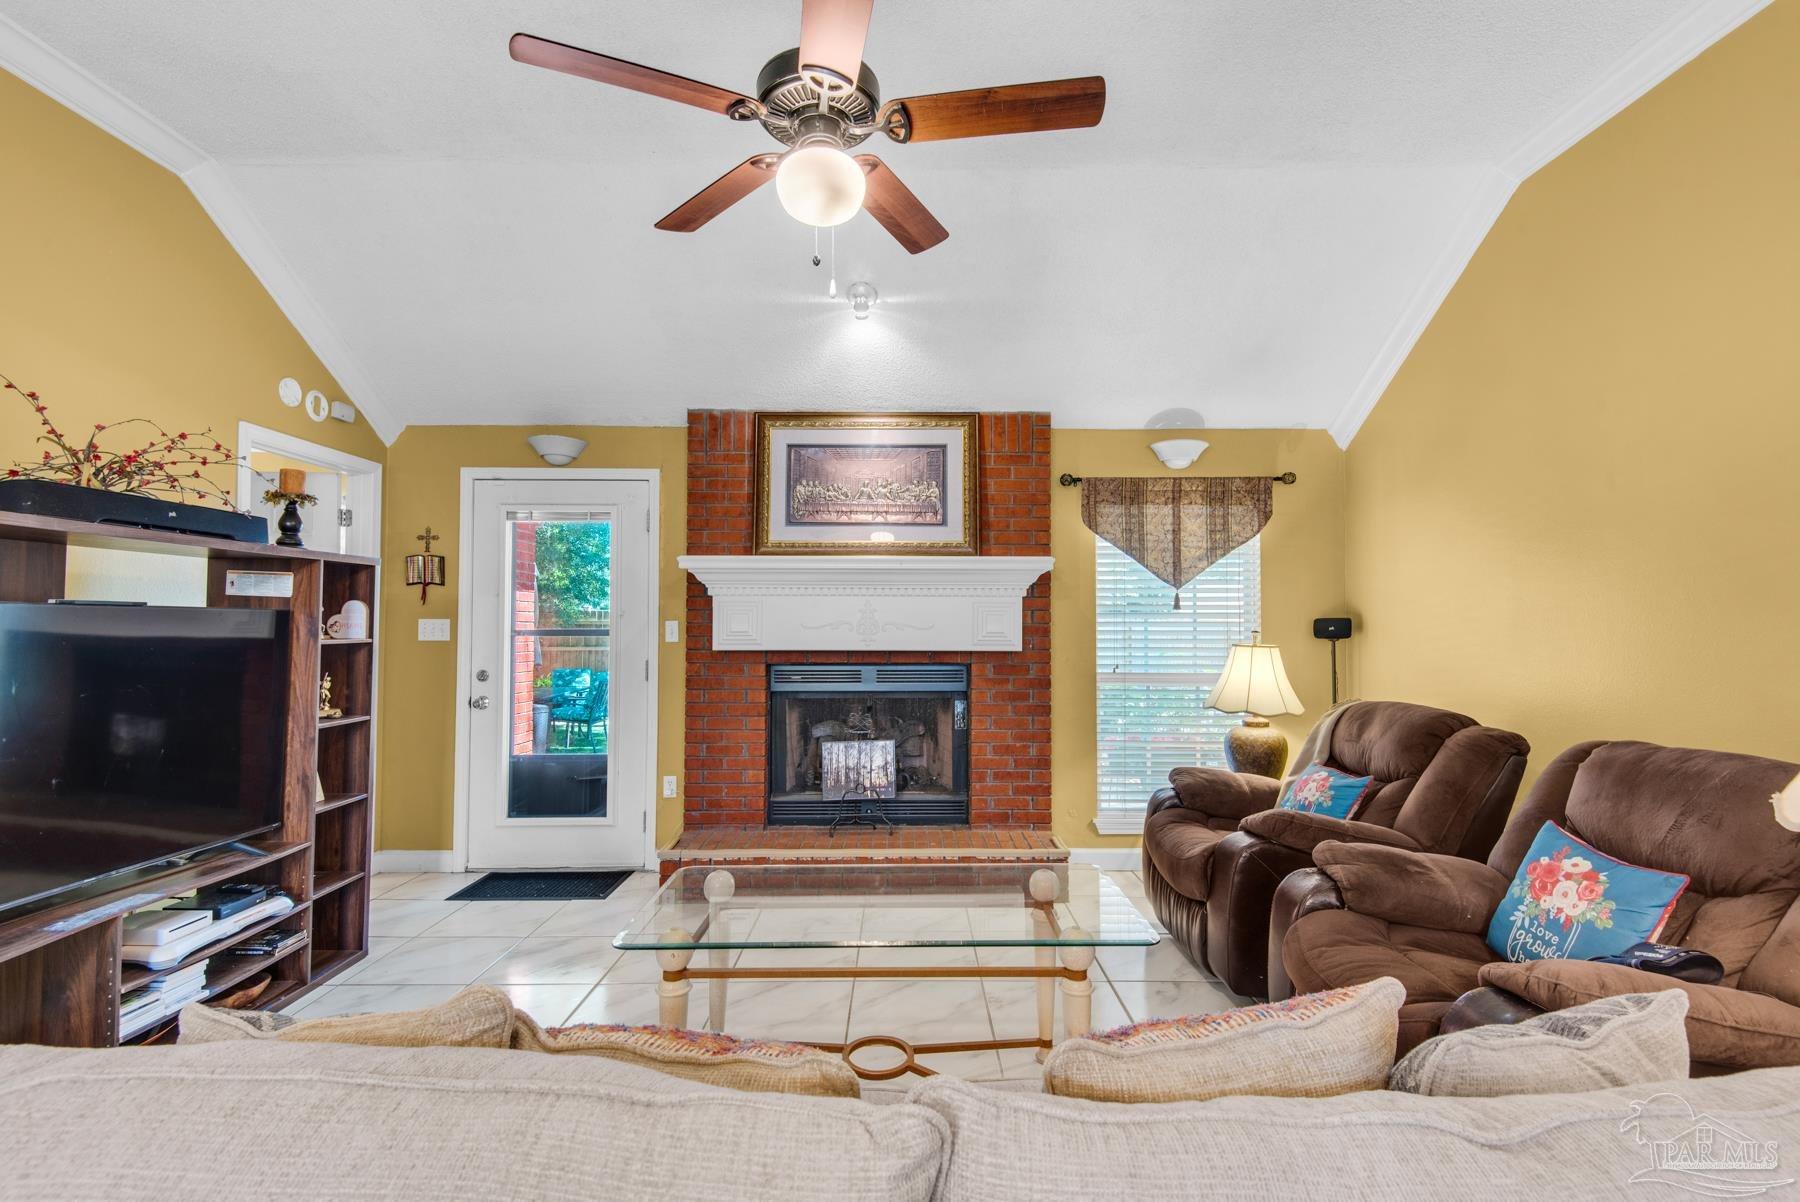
{"x":1273,"y":184}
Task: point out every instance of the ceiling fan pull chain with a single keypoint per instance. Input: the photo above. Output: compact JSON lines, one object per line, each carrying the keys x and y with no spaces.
{"x":815,"y":246}
{"x":832,"y":290}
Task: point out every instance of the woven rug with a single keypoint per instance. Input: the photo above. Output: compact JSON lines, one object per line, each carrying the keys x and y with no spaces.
{"x":540,"y":886}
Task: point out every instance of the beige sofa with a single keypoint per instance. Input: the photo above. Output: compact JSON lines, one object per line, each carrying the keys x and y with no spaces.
{"x":273,"y":1120}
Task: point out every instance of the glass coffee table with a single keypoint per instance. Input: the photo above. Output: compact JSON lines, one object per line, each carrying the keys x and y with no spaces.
{"x":698,"y":922}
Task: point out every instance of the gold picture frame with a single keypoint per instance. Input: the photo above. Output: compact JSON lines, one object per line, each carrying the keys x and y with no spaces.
{"x":862,"y":494}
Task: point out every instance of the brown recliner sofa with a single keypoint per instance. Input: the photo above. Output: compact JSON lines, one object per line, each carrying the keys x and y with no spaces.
{"x":1373,"y":911}
{"x":1215,"y":849}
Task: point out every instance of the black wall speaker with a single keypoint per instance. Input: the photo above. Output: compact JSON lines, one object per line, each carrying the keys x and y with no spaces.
{"x":1331,"y":628}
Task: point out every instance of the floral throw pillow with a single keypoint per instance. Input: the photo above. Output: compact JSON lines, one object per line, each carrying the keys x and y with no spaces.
{"x":1326,"y":792}
{"x":1571,"y":901}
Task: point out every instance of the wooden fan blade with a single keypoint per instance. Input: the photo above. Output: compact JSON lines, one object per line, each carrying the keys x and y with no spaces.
{"x":892,"y":204}
{"x":721,"y":194}
{"x":832,"y":33}
{"x":573,"y":60}
{"x":1021,"y":108}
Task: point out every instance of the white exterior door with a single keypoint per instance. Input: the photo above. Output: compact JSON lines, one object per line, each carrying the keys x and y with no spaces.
{"x":561,"y":633}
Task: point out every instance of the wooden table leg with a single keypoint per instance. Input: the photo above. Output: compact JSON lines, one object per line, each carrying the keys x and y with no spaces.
{"x":672,"y":996}
{"x":1078,"y":995}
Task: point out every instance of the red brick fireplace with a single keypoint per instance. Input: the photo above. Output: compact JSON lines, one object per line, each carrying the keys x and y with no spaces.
{"x":1009,"y":692}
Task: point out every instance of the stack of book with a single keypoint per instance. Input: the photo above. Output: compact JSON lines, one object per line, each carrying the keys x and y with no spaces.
{"x":160,"y":997}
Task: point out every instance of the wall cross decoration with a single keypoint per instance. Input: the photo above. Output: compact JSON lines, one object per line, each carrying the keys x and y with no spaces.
{"x":427,"y":569}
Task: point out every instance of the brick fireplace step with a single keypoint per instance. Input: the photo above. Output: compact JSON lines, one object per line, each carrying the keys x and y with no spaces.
{"x":774,"y":845}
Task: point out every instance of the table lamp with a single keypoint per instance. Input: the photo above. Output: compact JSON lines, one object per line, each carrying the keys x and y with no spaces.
{"x":1787,"y":805}
{"x":1255,"y":684}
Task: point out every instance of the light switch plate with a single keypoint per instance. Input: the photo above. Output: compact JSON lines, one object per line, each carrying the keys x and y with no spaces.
{"x":670,"y":786}
{"x":434,"y":630}
{"x":671,"y":631}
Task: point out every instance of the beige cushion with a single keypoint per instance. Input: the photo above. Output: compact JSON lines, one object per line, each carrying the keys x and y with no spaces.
{"x":291,"y":1122}
{"x":1396,"y":1147}
{"x":758,"y":1065}
{"x":1626,"y":1040}
{"x":1314,"y":1045}
{"x":478,"y":1017}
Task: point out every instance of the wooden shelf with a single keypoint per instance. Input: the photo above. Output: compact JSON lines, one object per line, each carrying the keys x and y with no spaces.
{"x":133,"y":975}
{"x":330,"y":882}
{"x":346,"y":720}
{"x":328,"y":962}
{"x":277,"y":993}
{"x":28,"y":527}
{"x":61,"y":975}
{"x":242,"y":968}
{"x":54,"y":922}
{"x":335,"y":801}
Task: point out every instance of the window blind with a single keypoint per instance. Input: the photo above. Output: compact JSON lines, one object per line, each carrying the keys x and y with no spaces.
{"x":1157,"y":663}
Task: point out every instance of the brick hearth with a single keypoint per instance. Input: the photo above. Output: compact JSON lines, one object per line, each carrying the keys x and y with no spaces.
{"x":1009,"y":692}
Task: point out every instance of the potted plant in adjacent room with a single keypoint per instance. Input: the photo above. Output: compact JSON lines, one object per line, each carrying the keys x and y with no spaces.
{"x":160,"y":483}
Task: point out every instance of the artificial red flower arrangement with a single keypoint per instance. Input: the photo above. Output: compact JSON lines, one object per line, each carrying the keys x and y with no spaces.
{"x":168,"y":465}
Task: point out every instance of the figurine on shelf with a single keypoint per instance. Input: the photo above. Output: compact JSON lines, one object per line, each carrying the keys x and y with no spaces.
{"x":326,"y":709}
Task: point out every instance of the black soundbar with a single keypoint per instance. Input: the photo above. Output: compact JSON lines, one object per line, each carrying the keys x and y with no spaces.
{"x":52,"y":500}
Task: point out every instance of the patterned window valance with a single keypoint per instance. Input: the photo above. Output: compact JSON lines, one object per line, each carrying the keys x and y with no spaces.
{"x":1176,"y":527}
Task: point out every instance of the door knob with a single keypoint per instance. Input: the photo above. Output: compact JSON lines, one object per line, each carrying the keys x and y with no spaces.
{"x":478,"y":703}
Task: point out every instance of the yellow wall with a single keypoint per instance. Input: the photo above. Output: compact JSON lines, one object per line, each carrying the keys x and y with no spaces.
{"x":1574,"y":512}
{"x":1302,"y":579}
{"x":120,"y":298}
{"x":419,"y":690}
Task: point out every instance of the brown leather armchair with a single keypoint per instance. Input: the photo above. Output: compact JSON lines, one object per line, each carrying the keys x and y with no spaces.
{"x":1215,"y":849}
{"x":1373,"y":911}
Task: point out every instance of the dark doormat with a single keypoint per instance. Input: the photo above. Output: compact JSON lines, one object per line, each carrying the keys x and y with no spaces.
{"x":541,"y":886}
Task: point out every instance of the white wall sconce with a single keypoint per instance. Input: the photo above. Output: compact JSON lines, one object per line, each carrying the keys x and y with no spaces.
{"x":557,"y":450}
{"x":863,"y":298}
{"x":1178,"y":453}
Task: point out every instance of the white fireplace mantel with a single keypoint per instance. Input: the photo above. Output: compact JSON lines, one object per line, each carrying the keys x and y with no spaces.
{"x":867,"y":602}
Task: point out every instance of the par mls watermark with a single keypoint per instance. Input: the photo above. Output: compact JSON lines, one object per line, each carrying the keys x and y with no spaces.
{"x":1694,"y":1151}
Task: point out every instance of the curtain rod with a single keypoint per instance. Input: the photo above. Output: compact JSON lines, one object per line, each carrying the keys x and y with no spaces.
{"x":1068,"y":481}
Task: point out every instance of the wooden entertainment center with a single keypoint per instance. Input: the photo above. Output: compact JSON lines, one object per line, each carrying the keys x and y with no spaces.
{"x":61,"y":975}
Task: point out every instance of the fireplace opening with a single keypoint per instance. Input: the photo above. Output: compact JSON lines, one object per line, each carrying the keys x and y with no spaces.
{"x":921,"y":709}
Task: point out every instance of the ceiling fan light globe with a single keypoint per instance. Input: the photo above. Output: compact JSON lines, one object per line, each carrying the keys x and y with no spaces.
{"x":820,"y":185}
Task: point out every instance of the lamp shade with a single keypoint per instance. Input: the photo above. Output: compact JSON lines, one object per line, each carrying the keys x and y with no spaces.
{"x":1255,"y":682}
{"x":1787,"y":805}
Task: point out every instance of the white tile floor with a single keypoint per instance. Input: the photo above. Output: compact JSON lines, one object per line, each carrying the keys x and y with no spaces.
{"x":557,"y":961}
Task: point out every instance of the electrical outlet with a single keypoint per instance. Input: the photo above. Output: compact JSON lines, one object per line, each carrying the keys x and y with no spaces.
{"x":671,"y":631}
{"x":434,"y":630}
{"x":671,"y":786}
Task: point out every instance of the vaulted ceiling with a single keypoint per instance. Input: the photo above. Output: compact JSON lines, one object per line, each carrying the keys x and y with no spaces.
{"x":1278,"y":197}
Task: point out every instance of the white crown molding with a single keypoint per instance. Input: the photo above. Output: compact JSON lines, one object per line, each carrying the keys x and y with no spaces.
{"x":867,"y":602}
{"x":1652,"y":61}
{"x":25,"y":56}
{"x":1482,"y":211}
{"x":212,"y":187}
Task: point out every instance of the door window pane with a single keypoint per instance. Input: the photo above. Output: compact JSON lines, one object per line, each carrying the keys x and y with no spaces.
{"x":561,"y":663}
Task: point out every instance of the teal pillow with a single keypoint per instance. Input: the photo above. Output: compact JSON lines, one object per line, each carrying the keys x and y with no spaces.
{"x":1326,"y":792}
{"x":1571,"y":901}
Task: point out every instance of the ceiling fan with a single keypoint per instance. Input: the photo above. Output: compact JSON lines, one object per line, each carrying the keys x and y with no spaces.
{"x":821,"y":100}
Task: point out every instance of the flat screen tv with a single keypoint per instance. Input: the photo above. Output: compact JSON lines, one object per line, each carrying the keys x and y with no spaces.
{"x":133,"y":734}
